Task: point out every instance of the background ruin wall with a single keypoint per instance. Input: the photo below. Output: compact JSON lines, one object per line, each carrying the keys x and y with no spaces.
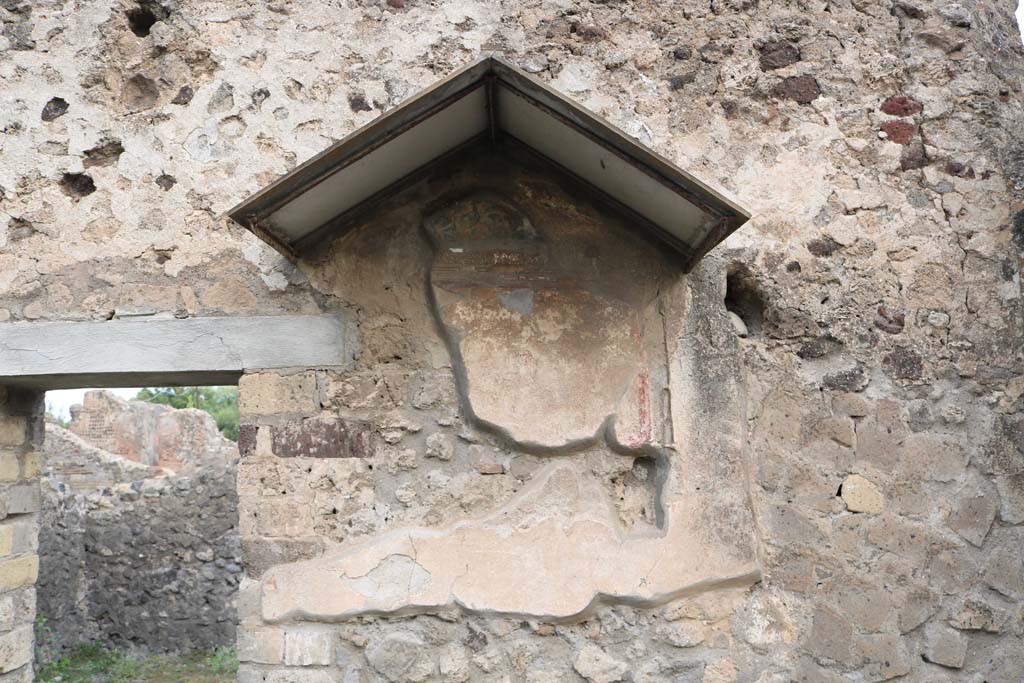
{"x":183,"y":441}
{"x":878,"y":285}
{"x":151,"y":567}
{"x":132,"y":556}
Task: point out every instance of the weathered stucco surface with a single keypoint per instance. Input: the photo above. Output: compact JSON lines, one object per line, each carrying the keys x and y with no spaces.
{"x":532,"y":318}
{"x":857,"y":418}
{"x":554,"y":322}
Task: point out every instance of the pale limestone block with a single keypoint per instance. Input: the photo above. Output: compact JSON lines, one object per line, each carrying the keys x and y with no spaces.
{"x":289,"y":517}
{"x":7,"y":611}
{"x":454,"y":664}
{"x":944,"y":646}
{"x":765,"y":621}
{"x":16,"y":648}
{"x":18,"y":535}
{"x":721,"y":671}
{"x":265,"y":443}
{"x":248,"y":602}
{"x":1004,"y":569}
{"x":682,"y":633}
{"x":406,"y":493}
{"x":975,"y":510}
{"x":489,"y":660}
{"x":301,"y":675}
{"x":22,"y":675}
{"x":853,"y":200}
{"x":24,"y":605}
{"x":934,"y":457}
{"x":917,"y":607}
{"x":308,"y":648}
{"x":860,"y":495}
{"x":1011,"y":498}
{"x":401,"y":657}
{"x":885,"y":656}
{"x":738,"y":325}
{"x":260,"y":645}
{"x":22,"y":498}
{"x":440,"y":446}
{"x":597,"y":666}
{"x":851,"y":405}
{"x":978,"y":613}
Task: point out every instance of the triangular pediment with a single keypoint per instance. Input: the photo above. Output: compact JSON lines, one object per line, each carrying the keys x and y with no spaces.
{"x":484,"y":104}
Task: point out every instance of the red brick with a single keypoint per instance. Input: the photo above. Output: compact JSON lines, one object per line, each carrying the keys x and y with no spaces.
{"x":322,"y":437}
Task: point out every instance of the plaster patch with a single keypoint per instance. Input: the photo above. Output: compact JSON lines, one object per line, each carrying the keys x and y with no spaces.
{"x":529,"y":330}
{"x":394,"y":578}
{"x":576,"y":378}
{"x":554,"y":552}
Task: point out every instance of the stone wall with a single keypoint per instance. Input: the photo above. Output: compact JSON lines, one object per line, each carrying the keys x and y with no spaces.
{"x":151,"y":564}
{"x":133,"y":555}
{"x":21,"y":436}
{"x":183,"y":441}
{"x":876,"y":386}
{"x":84,"y":468}
{"x":514,"y":448}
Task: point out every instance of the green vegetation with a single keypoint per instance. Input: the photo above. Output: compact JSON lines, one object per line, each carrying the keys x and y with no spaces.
{"x":55,"y":417}
{"x":94,"y":664}
{"x":45,"y":641}
{"x":221,"y":402}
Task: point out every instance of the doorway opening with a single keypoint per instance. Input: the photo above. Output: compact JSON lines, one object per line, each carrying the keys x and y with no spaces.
{"x":139,"y":546}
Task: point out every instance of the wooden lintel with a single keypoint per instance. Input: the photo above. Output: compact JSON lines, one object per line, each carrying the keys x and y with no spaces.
{"x":167,"y":351}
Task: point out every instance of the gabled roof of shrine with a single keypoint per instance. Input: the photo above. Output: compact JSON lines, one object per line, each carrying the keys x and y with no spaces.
{"x":485,"y":101}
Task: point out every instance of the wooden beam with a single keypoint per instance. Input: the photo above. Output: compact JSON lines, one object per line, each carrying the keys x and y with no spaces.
{"x":167,"y":351}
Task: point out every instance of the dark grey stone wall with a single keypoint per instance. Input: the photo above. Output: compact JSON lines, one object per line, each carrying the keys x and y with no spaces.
{"x":151,"y":564}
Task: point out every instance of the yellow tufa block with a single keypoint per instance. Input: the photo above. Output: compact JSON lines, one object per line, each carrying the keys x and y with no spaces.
{"x":13,"y":430}
{"x":19,"y":572}
{"x":6,"y":539}
{"x":9,"y":469}
{"x":31,"y":465}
